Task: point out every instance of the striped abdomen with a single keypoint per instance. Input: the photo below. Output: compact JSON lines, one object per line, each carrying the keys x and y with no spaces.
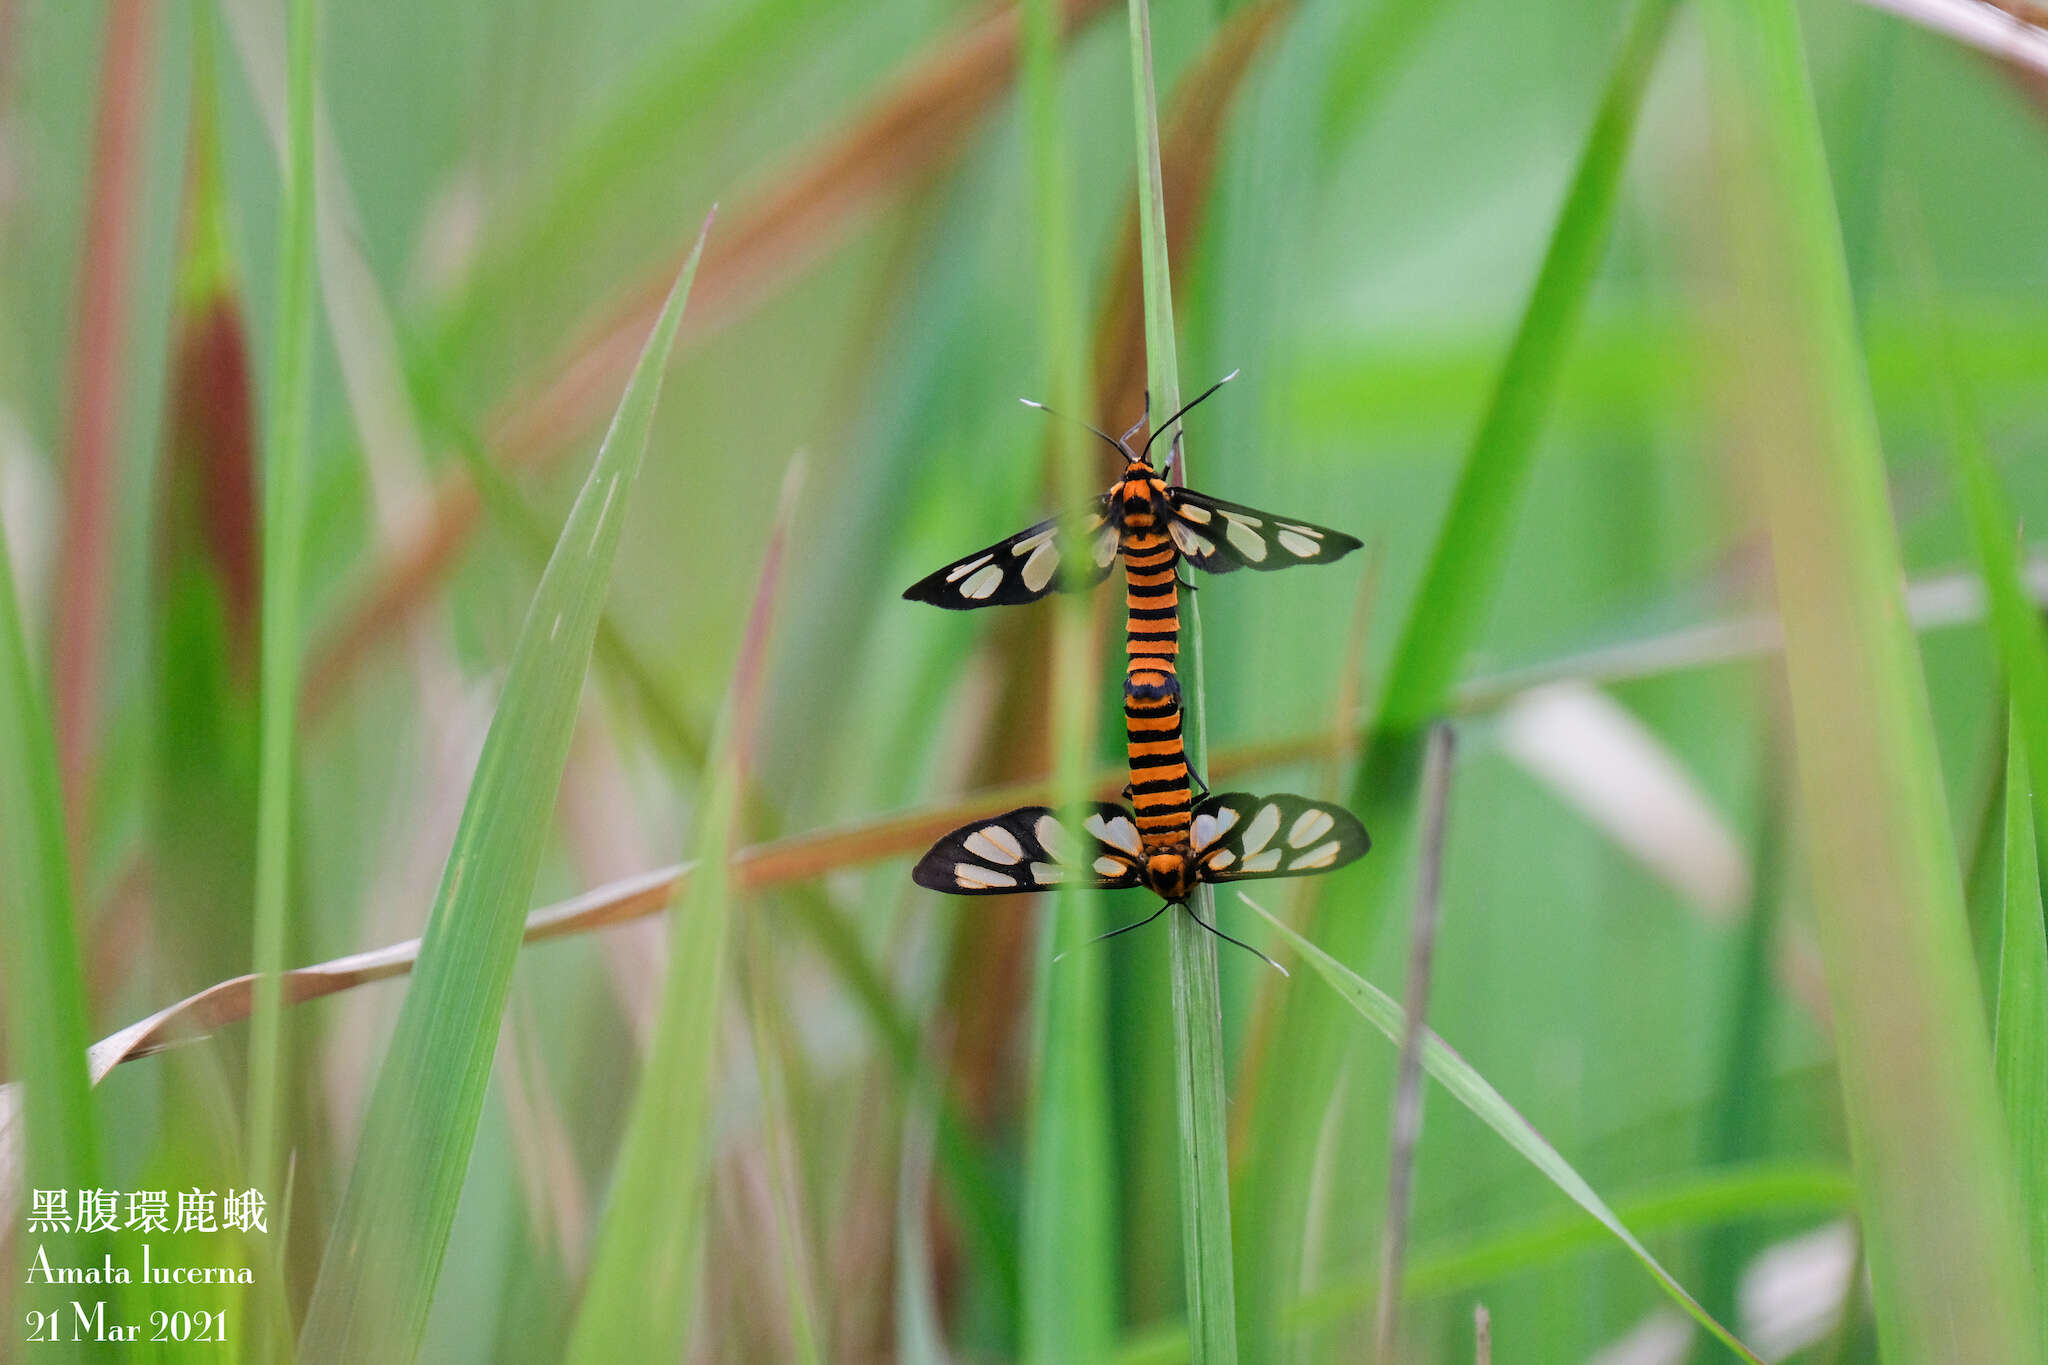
{"x":1152,"y":716}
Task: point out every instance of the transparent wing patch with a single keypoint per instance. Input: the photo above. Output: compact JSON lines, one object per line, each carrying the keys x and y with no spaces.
{"x":1021,"y":569}
{"x":1218,"y":536}
{"x":1240,"y":837}
{"x":1033,"y":849}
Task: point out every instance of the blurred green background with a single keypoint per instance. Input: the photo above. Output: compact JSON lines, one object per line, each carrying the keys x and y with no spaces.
{"x":1360,"y":195}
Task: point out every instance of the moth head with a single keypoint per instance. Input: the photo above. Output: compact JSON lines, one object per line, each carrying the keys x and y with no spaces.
{"x":1171,"y":874}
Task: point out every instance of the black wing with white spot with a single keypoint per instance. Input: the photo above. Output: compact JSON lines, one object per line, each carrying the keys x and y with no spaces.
{"x":1021,"y":569}
{"x":1032,"y":849}
{"x":1219,"y":536}
{"x":1238,"y":837}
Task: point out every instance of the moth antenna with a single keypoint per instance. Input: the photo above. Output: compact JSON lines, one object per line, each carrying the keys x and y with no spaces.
{"x":1114,"y":932}
{"x":1120,"y":447}
{"x":1239,"y":942}
{"x":1163,"y":426}
{"x":1143,"y":418}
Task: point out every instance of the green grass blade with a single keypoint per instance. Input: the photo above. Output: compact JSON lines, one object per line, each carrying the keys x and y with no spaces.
{"x":1449,"y":610}
{"x":1699,"y":1200}
{"x":1069,"y":1259}
{"x":1947,"y":1262}
{"x":39,"y":960}
{"x":920,"y":1335}
{"x":1471,"y":1089}
{"x":2019,"y":1038}
{"x":641,"y":1292}
{"x":1465,"y":563}
{"x":2020,"y":1012}
{"x":1720,"y":1197}
{"x":1995,"y":536}
{"x":767,"y":1004}
{"x":1197,"y":995}
{"x":287,"y":433}
{"x":377,"y":1278}
{"x":1739,"y":1119}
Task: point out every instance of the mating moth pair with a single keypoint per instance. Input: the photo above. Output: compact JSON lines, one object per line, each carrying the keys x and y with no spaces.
{"x":1168,"y":839}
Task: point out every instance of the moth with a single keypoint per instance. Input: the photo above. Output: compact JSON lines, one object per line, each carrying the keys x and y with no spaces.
{"x":1231,"y":837}
{"x":1143,"y":511}
{"x":1166,"y":840}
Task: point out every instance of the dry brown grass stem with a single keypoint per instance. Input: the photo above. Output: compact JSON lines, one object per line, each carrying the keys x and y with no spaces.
{"x":98,"y":376}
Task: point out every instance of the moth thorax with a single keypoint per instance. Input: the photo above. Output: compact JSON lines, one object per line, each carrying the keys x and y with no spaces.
{"x":1136,"y":496}
{"x":1171,"y":873}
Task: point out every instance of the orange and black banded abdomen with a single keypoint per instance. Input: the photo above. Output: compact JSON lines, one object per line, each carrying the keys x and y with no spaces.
{"x":1160,"y":789}
{"x":1151,"y":601}
{"x":1160,"y":792}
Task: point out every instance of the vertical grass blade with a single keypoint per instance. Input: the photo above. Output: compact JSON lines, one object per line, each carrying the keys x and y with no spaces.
{"x":2020,"y":1010}
{"x":1739,"y":1119}
{"x":1069,"y":1227}
{"x":2015,"y":622}
{"x":1465,"y":563}
{"x":1490,"y":1107}
{"x":1197,"y":997}
{"x":287,"y":429}
{"x":39,"y":966}
{"x":2019,"y":1037}
{"x":1449,"y":610}
{"x":115,"y":216}
{"x":642,"y":1289}
{"x":1407,"y":1134}
{"x":377,"y":1278}
{"x":1947,"y":1262}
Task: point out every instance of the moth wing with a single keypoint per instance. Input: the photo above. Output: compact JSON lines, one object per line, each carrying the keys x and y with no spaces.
{"x":1034,"y":849}
{"x":1021,"y":569}
{"x":1241,"y":837}
{"x":1218,"y":536}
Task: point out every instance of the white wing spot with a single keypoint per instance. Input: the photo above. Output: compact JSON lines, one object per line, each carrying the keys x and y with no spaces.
{"x":1030,"y":543}
{"x":1105,"y":548}
{"x":1261,"y":830}
{"x":1298,"y":545}
{"x":1262,"y":862}
{"x":1199,"y":515}
{"x":1226,"y":819}
{"x":960,"y":571}
{"x":1205,"y":831}
{"x":1191,"y":545}
{"x":996,"y":845}
{"x":1224,"y":858}
{"x":1052,"y":837}
{"x":1239,"y":532}
{"x":983,"y":582}
{"x":1118,"y":833}
{"x":977,"y":878}
{"x":1311,"y":532}
{"x":1048,"y":874}
{"x":1039,"y":569}
{"x":1317,"y":857}
{"x":1107,"y":866}
{"x":1309,"y":826}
